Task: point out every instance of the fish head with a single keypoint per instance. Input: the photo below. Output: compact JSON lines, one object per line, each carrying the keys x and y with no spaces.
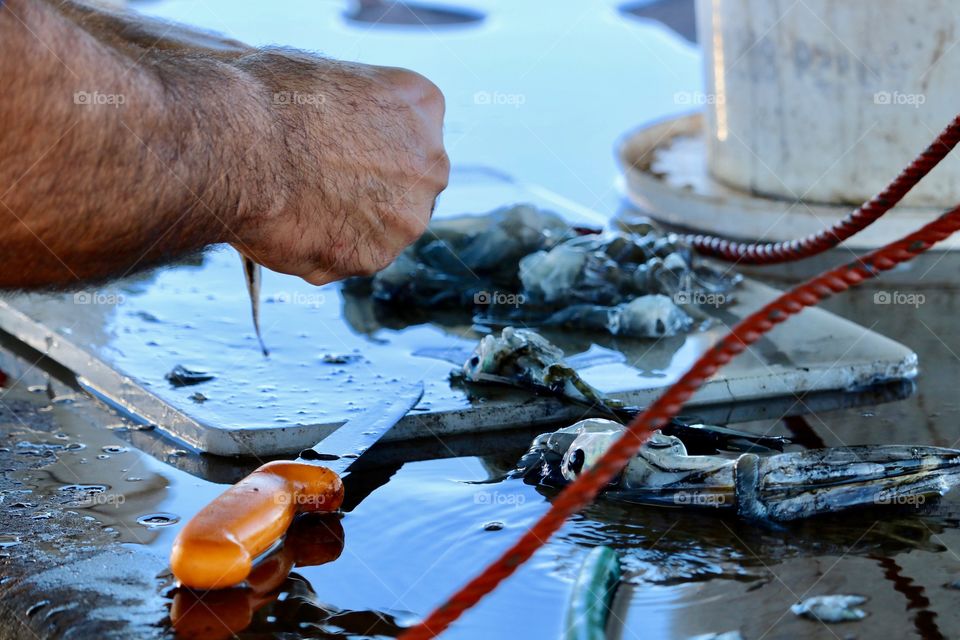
{"x":509,"y":355}
{"x":595,"y":436}
{"x":483,"y":358}
{"x":591,"y":439}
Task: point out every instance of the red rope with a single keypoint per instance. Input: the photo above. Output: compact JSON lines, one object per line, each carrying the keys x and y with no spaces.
{"x":867,"y":214}
{"x":583,"y":490}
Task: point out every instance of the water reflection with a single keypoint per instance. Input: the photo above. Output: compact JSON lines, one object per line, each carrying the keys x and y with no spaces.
{"x":275,"y":601}
{"x":92,"y":473}
{"x":675,"y":546}
{"x":408,"y":14}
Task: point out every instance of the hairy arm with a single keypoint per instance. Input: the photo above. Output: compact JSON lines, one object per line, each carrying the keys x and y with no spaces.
{"x":123,"y":150}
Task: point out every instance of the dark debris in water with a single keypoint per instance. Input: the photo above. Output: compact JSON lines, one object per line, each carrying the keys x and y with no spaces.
{"x":180,"y":376}
{"x":341,"y":358}
{"x":411,"y":15}
{"x":43,"y":449}
{"x":146,"y":316}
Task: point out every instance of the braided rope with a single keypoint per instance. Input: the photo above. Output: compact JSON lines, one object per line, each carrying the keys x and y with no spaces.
{"x":586,"y":487}
{"x":858,"y":220}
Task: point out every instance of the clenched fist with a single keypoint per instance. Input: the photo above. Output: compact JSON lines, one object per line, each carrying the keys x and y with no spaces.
{"x":359,"y":162}
{"x":129,"y":142}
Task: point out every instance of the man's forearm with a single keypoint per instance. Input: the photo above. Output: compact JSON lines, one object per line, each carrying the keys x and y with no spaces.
{"x":111,"y":159}
{"x":128,"y":142}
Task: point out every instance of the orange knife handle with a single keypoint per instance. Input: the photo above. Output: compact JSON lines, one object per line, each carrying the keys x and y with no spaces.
{"x":217,"y":547}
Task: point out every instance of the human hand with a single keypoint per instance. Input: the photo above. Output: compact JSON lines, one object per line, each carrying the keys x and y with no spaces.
{"x":358,"y":164}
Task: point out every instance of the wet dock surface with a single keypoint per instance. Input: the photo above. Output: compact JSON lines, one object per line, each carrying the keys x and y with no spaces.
{"x":75,"y":558}
{"x":89,"y":504}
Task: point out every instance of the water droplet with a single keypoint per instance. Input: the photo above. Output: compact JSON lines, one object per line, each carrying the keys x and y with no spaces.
{"x":102,"y":456}
{"x":83,"y":489}
{"x":153,"y":520}
{"x":112,"y":448}
{"x":493,"y":526}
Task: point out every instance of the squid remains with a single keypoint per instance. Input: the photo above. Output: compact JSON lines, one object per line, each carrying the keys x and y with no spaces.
{"x":777,"y":487}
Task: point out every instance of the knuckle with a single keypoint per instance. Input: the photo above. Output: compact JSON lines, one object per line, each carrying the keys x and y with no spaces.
{"x":410,"y":231}
{"x":373,"y":257}
{"x":384,"y":261}
{"x":378,"y":260}
{"x":411,"y":220}
{"x":427,"y":170}
{"x":317,"y":278}
{"x":364,"y":270}
{"x":442,"y":172}
{"x":432,"y":95}
{"x":421,"y":88}
{"x":415,"y":226}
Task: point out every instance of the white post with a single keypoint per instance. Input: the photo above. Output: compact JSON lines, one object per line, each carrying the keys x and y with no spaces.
{"x":826,"y":100}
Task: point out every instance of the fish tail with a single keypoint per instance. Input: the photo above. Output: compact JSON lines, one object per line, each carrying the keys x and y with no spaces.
{"x":252,"y":274}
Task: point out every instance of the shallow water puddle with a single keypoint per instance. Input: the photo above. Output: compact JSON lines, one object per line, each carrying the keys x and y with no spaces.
{"x":94,"y":472}
{"x":433,"y":523}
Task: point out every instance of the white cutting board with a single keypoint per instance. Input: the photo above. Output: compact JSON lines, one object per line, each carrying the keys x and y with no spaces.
{"x":122,"y":340}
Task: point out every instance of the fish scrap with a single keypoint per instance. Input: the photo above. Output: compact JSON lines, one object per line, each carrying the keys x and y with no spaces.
{"x":833,"y":608}
{"x":778,"y":487}
{"x":253,"y":274}
{"x":180,"y":376}
{"x":524,"y":359}
{"x":524,"y":265}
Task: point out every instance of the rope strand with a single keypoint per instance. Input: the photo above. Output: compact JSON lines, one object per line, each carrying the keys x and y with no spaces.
{"x":868,"y":213}
{"x":585,"y":488}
